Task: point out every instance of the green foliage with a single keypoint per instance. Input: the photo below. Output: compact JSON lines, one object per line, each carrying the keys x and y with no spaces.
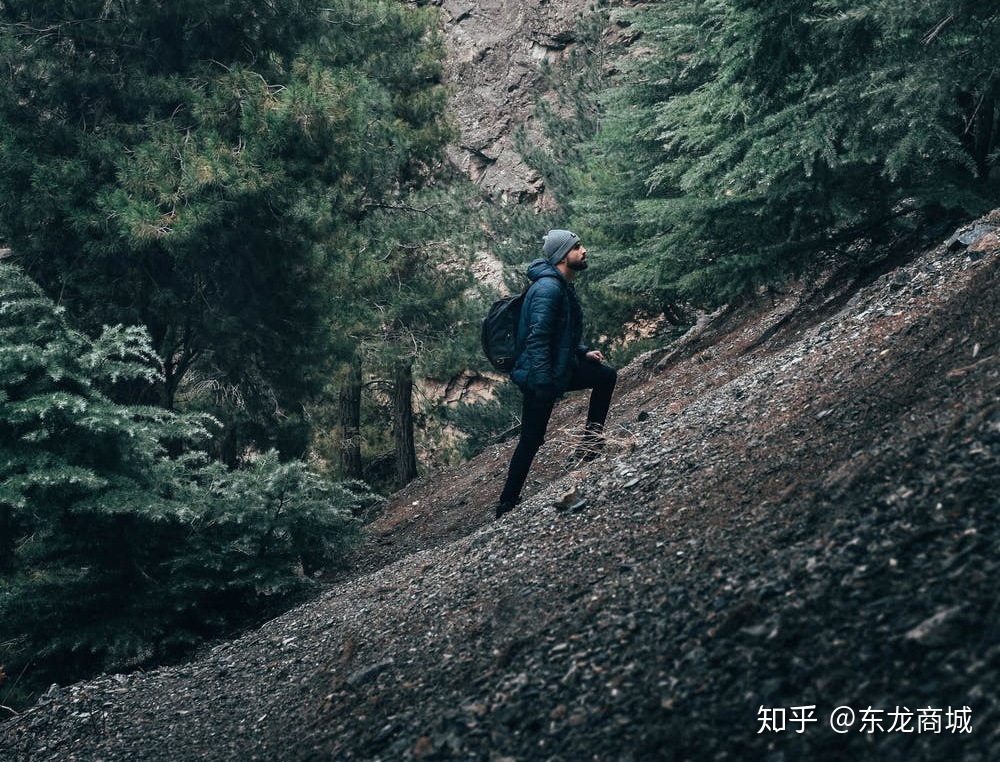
{"x":205,"y":170}
{"x":119,"y":543}
{"x":753,"y":136}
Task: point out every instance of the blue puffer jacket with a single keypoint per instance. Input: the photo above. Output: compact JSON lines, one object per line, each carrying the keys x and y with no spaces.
{"x":549,"y":332}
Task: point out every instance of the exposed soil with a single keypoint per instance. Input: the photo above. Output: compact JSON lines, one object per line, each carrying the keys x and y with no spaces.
{"x":797,"y":508}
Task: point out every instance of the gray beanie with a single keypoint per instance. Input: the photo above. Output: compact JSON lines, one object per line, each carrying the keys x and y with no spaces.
{"x":557,"y":244}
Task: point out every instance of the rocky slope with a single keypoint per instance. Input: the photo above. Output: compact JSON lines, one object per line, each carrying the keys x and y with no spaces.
{"x":797,"y":517}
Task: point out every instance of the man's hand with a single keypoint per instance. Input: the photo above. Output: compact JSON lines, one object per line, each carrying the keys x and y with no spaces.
{"x":595,"y":355}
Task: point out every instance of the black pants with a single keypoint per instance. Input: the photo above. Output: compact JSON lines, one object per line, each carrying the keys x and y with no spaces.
{"x":535,"y":414}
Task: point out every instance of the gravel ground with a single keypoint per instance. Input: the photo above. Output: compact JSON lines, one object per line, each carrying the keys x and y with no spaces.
{"x":794,"y":526}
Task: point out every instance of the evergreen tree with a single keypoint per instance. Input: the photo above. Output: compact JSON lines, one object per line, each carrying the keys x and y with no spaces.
{"x":424,"y":325}
{"x":202,"y":169}
{"x":413,"y":305}
{"x":120,"y":544}
{"x":756,"y":135}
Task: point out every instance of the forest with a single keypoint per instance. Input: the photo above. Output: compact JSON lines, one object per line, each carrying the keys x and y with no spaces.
{"x":232,"y":248}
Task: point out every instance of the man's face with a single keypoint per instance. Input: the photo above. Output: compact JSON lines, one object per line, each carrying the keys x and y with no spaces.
{"x":577,"y":258}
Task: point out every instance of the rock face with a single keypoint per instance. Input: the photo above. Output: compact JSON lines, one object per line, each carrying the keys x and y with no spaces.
{"x":496,"y":49}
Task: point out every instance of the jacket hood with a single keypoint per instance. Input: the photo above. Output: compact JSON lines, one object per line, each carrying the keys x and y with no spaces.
{"x":541,"y":267}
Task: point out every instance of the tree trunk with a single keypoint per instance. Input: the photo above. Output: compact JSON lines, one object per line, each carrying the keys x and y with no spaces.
{"x":406,"y":452}
{"x":350,"y":422}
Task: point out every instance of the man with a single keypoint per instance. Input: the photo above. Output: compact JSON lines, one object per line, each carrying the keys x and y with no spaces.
{"x":552,"y":360}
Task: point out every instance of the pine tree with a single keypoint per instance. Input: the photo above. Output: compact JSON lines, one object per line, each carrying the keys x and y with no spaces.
{"x":204,"y":169}
{"x":121,"y":544}
{"x":424,"y":327}
{"x":767,"y":133}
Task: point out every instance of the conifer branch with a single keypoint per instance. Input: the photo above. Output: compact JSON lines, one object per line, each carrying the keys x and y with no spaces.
{"x":934,"y":33}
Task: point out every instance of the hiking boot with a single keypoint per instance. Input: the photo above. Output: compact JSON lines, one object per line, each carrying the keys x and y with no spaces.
{"x":503,"y":508}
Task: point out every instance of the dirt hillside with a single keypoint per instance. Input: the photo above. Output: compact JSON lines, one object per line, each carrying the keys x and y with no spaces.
{"x":789,"y":551}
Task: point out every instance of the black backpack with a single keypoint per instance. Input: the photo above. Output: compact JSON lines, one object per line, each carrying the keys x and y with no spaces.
{"x":499,"y":331}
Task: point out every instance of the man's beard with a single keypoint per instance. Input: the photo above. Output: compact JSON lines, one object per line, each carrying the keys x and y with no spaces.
{"x":579,"y":265}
